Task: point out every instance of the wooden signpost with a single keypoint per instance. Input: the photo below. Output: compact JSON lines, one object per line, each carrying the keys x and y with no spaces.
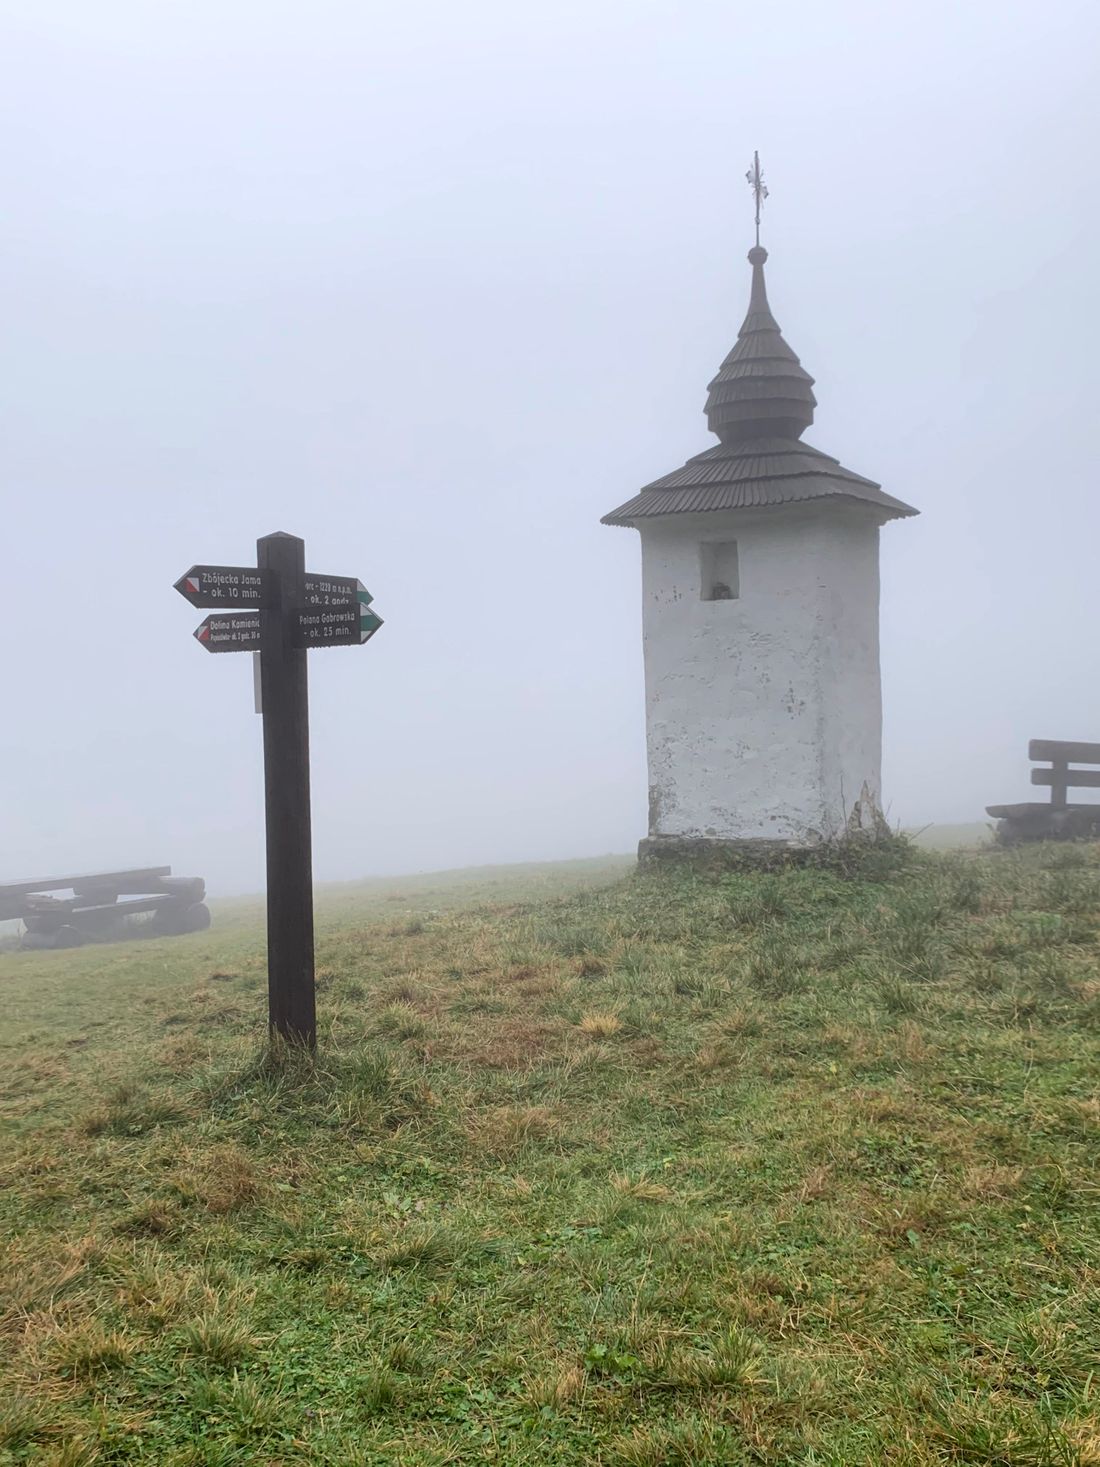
{"x":283,"y":611}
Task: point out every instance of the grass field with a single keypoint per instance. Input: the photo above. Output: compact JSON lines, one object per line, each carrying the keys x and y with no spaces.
{"x":953,"y":837}
{"x":593,"y":1167}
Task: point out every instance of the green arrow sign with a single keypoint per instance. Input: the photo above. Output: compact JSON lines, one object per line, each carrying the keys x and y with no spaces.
{"x":342,"y":626}
{"x":333,"y":591}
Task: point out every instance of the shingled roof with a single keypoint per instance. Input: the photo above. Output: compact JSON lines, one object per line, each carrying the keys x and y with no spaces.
{"x":759,"y":405}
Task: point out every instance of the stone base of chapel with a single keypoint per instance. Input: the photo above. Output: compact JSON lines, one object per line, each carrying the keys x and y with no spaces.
{"x":713,"y":852}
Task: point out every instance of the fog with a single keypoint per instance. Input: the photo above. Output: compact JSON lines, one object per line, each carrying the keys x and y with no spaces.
{"x":434,"y":286}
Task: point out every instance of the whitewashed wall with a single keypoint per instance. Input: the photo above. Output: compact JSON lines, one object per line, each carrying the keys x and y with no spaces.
{"x":764,"y":716}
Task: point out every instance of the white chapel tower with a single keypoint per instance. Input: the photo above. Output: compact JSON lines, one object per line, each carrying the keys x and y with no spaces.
{"x":760,"y":607}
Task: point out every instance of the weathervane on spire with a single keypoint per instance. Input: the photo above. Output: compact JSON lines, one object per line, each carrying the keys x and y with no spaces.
{"x":759,"y":189}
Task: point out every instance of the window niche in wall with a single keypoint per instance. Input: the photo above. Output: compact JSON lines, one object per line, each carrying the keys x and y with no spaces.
{"x":719,"y":578}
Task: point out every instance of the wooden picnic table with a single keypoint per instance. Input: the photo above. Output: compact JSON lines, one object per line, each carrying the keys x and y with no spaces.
{"x":65,"y":911}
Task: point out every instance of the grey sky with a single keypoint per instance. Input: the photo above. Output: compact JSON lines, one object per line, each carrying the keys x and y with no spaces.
{"x":435,"y":286}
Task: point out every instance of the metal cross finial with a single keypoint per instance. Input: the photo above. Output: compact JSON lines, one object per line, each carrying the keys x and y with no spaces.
{"x":759,"y":188}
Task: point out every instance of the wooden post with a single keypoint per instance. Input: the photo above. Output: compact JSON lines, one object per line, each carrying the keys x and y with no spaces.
{"x":291,"y":998}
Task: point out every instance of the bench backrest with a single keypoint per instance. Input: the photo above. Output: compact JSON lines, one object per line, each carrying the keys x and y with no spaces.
{"x":138,"y":882}
{"x":1060,"y":777}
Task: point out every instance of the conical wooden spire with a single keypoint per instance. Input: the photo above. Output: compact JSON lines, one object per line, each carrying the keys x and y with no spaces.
{"x":761,"y":390}
{"x":760,"y":404}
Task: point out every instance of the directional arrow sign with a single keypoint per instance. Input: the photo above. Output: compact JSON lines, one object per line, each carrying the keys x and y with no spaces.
{"x":230,"y":633}
{"x":228,"y":585}
{"x":343,"y":626}
{"x":332,"y":591}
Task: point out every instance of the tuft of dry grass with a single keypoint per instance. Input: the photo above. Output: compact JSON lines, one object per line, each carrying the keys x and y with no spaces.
{"x":740,"y":1021}
{"x":911,"y":1043}
{"x":128,"y":1110}
{"x":76,"y":1452}
{"x":88,"y":1351}
{"x":502,"y":1131}
{"x":150,"y":1288}
{"x":221,"y":1340}
{"x":987,"y":1182}
{"x":401,"y":1021}
{"x":556,"y":1389}
{"x":718,"y":1054}
{"x":32,"y":1281}
{"x":600,"y":1024}
{"x":524,"y":972}
{"x":1084,"y":1439}
{"x":816,"y":1184}
{"x":642,"y":1189}
{"x":430,"y":1248}
{"x":223,"y":1179}
{"x":513,"y":1043}
{"x":591,"y":967}
{"x":182,"y":1053}
{"x":697,"y":1442}
{"x":735,"y":1360}
{"x":155,"y":1218}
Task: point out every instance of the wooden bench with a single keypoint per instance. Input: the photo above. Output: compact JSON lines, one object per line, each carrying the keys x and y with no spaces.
{"x":53,"y":918}
{"x":1058,"y":819}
